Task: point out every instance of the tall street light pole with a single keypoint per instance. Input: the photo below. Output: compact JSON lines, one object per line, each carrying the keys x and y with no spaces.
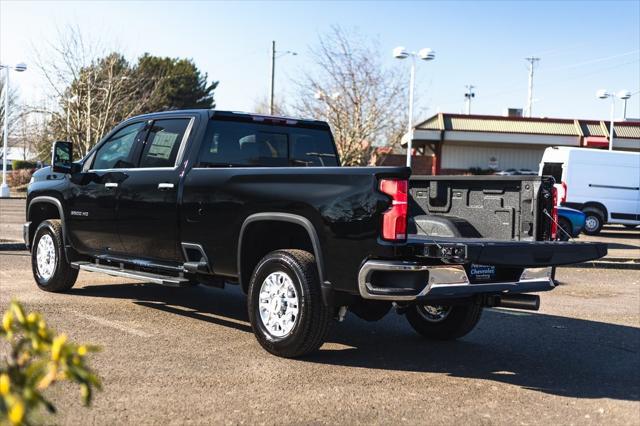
{"x":425,"y":54}
{"x":273,"y":76}
{"x":624,"y":95}
{"x":532,"y":64}
{"x":469,"y":94}
{"x":604,"y":94}
{"x":4,"y":188}
{"x":272,"y":80}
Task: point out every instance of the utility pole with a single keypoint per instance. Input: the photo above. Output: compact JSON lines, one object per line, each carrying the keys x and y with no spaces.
{"x":88,"y":111}
{"x":469,"y":94}
{"x":532,"y":63}
{"x":273,"y":75}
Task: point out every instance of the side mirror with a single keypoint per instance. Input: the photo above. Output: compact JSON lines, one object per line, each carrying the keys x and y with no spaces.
{"x":61,"y":157}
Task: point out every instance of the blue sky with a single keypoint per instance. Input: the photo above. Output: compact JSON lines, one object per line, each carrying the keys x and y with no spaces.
{"x":584,"y":46}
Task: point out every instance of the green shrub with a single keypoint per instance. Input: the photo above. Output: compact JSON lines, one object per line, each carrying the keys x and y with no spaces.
{"x":36,"y":359}
{"x":22,"y":164}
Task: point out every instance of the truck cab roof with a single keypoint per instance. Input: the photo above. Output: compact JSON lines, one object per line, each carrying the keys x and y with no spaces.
{"x":239,"y":116}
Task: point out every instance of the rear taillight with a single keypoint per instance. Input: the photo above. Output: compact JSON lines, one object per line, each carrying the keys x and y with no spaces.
{"x":394,"y":220}
{"x":564,"y":193}
{"x":554,"y":214}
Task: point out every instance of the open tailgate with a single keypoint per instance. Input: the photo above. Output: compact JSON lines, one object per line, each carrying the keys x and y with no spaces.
{"x":506,"y":253}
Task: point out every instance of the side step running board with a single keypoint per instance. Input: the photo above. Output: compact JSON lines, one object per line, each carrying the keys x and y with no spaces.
{"x":128,"y":273}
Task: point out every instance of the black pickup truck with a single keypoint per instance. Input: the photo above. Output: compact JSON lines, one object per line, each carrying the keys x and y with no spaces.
{"x":207,"y":197}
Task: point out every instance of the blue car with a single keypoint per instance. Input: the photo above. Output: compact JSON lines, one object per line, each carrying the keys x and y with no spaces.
{"x":571,"y":221}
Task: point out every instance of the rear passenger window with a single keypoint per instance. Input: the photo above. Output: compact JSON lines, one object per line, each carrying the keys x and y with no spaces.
{"x":312,"y":148}
{"x":163,"y":143}
{"x":229,"y":143}
{"x":232,"y":143}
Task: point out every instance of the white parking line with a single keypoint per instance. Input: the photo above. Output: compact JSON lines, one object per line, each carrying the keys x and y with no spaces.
{"x":113,"y":324}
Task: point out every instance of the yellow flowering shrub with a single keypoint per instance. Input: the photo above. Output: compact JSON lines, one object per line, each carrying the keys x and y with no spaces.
{"x":36,"y":359}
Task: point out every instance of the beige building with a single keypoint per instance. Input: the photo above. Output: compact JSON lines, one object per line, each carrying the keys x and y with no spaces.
{"x":459,"y":142}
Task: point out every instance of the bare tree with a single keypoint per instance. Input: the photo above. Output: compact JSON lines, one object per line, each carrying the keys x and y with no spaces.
{"x":261,"y":106}
{"x":93,"y":91}
{"x":362,"y":101}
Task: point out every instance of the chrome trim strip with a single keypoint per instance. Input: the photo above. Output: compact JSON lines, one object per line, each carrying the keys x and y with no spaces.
{"x":183,"y":143}
{"x":136,"y":275}
{"x":632,"y":188}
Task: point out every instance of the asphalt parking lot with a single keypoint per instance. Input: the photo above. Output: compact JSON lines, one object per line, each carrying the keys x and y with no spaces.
{"x":187,"y":356}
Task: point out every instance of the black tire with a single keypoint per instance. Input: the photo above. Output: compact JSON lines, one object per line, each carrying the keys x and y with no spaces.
{"x":61,"y":277}
{"x":594,"y":221}
{"x":459,"y":321}
{"x":313,"y":318}
{"x":565,"y":233}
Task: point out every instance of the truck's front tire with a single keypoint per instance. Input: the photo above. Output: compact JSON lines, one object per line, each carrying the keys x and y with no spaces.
{"x":444,"y":322}
{"x":286,"y":311}
{"x":51,"y":268}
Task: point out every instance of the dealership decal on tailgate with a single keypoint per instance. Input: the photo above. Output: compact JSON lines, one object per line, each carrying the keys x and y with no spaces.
{"x":482,"y":272}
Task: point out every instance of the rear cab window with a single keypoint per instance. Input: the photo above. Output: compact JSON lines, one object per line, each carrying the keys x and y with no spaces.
{"x":251,"y":144}
{"x":553,"y":169}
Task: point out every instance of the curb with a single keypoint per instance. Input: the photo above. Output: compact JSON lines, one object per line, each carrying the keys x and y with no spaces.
{"x":12,"y":246}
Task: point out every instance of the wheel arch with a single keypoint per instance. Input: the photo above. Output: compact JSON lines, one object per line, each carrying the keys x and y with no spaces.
{"x":591,"y":205}
{"x":248,"y":258}
{"x":44,"y":207}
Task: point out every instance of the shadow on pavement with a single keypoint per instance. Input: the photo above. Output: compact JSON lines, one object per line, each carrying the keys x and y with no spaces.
{"x":552,"y":354}
{"x":622,"y":246}
{"x":197,"y":302}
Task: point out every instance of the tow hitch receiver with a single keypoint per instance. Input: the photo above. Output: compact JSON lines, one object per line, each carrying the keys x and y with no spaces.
{"x":453,"y":253}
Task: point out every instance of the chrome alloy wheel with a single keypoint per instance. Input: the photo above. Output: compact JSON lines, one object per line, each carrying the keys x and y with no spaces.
{"x":278,"y":304}
{"x":434,"y":313}
{"x":46,"y":257}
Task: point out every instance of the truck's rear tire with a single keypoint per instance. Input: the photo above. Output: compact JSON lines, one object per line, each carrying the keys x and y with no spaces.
{"x":594,"y":221}
{"x":49,"y":263}
{"x":286,"y":311}
{"x":444,"y":322}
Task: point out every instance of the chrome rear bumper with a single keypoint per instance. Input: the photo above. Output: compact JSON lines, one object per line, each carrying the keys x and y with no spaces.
{"x":443,"y":281}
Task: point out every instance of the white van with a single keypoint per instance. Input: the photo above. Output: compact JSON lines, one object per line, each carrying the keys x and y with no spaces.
{"x":605,"y":185}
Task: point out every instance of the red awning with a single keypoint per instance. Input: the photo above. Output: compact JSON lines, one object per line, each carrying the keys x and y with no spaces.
{"x":596,"y":141}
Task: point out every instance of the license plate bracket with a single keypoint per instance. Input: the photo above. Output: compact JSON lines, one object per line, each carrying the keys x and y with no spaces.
{"x":482,"y":273}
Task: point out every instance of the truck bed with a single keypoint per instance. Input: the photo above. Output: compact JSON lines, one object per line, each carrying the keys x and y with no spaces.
{"x":496,"y":207}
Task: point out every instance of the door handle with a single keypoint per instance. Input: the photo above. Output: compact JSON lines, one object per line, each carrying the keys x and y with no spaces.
{"x":111,"y":185}
{"x":165,"y":186}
